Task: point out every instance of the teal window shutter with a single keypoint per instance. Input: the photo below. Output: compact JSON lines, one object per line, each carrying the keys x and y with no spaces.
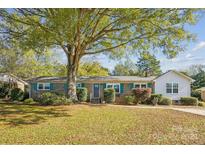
{"x":51,"y":86}
{"x":104,"y":85}
{"x":131,"y":85}
{"x":34,"y":86}
{"x":121,"y":88}
{"x":65,"y":87}
{"x":82,"y":84}
{"x":149,"y":85}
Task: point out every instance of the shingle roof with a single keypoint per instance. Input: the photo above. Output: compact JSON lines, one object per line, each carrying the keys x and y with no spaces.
{"x":96,"y":78}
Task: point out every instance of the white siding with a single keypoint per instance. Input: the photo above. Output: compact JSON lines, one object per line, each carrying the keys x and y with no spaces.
{"x":171,"y":77}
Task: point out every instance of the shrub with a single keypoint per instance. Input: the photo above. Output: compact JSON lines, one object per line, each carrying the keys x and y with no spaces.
{"x":141,"y":95}
{"x":202,"y":104}
{"x":17,"y":94}
{"x":109,"y":95}
{"x":4,"y":90}
{"x":62,"y":100}
{"x":129,"y":99}
{"x":189,"y":101}
{"x":196,"y":94}
{"x":165,"y":101}
{"x":29,"y":101}
{"x":154,"y":99}
{"x":48,"y":98}
{"x":82,"y":94}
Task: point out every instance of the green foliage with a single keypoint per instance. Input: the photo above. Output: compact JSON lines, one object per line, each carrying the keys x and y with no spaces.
{"x":17,"y":94}
{"x":189,"y":101}
{"x":92,"y":69}
{"x":4,"y":90}
{"x":202,"y":104}
{"x":48,"y":98}
{"x":29,"y":101}
{"x":199,"y":80}
{"x":197,"y":94}
{"x":154,"y":99}
{"x":127,"y":69}
{"x":141,"y":95}
{"x":165,"y":101}
{"x":109,"y":95}
{"x":148,"y":65}
{"x":129,"y":99}
{"x":82,"y":94}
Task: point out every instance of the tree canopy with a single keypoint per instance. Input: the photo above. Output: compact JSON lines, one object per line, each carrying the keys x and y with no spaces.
{"x":79,"y":32}
{"x":148,"y":65}
{"x":127,"y":68}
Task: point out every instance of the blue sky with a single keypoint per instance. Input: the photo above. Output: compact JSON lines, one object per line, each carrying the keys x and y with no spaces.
{"x":194,"y":53}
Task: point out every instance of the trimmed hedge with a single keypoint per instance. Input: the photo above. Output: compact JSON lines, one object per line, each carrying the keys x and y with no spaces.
{"x":109,"y":95}
{"x":141,"y":95}
{"x":82,"y":94}
{"x":48,"y":98}
{"x":17,"y":94}
{"x":129,"y":99}
{"x":196,"y":94}
{"x":189,"y":101}
{"x":154,"y":99}
{"x":165,"y":101}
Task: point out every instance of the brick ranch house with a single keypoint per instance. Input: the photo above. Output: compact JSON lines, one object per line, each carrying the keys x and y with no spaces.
{"x":172,"y":84}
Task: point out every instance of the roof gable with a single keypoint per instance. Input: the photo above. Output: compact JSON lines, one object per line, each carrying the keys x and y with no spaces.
{"x":178,"y":73}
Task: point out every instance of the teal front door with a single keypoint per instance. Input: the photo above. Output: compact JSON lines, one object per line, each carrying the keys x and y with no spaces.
{"x":96,"y":90}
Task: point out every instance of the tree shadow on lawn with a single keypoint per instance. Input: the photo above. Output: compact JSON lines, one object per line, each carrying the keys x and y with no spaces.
{"x":16,"y":115}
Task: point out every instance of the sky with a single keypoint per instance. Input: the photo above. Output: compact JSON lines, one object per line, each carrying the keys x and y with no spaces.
{"x":194,"y":53}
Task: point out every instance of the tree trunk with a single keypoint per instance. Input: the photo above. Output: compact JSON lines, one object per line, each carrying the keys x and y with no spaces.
{"x":71,"y":81}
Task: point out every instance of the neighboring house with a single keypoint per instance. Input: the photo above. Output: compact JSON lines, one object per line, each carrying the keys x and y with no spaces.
{"x":13,"y":81}
{"x":172,"y":84}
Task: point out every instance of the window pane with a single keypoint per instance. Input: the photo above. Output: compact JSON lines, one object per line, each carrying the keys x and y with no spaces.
{"x":117,"y":88}
{"x":175,"y":87}
{"x":40,"y":86}
{"x":47,"y":86}
{"x":78,"y":85}
{"x":169,"y":88}
{"x":109,"y":86}
{"x":137,"y":85}
{"x":143,"y":86}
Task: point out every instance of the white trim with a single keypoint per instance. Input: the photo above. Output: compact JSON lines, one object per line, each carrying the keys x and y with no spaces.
{"x":112,"y":84}
{"x":44,"y":83}
{"x":172,"y":87}
{"x":140,"y":84}
{"x":93,"y":90}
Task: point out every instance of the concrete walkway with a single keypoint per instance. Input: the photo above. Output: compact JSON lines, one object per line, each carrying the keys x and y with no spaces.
{"x":188,"y":109}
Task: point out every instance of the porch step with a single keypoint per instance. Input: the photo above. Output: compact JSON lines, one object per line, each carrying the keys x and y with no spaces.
{"x":95,"y":100}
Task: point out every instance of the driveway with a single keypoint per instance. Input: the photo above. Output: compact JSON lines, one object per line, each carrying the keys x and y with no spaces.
{"x":189,"y":109}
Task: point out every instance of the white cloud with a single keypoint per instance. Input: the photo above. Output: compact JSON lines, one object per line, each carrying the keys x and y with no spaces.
{"x":188,"y":55}
{"x":199,"y":46}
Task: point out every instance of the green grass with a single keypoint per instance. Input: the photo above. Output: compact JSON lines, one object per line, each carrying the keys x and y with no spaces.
{"x":83,"y":124}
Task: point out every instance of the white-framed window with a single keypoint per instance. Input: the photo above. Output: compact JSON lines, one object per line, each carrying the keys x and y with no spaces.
{"x":78,"y":85}
{"x":43,"y":86}
{"x":115,"y":86}
{"x":172,"y":88}
{"x":140,"y":85}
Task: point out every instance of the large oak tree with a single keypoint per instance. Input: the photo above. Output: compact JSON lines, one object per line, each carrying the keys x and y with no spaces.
{"x":80,"y":32}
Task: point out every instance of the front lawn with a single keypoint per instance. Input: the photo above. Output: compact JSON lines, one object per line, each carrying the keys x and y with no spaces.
{"x":82,"y":124}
